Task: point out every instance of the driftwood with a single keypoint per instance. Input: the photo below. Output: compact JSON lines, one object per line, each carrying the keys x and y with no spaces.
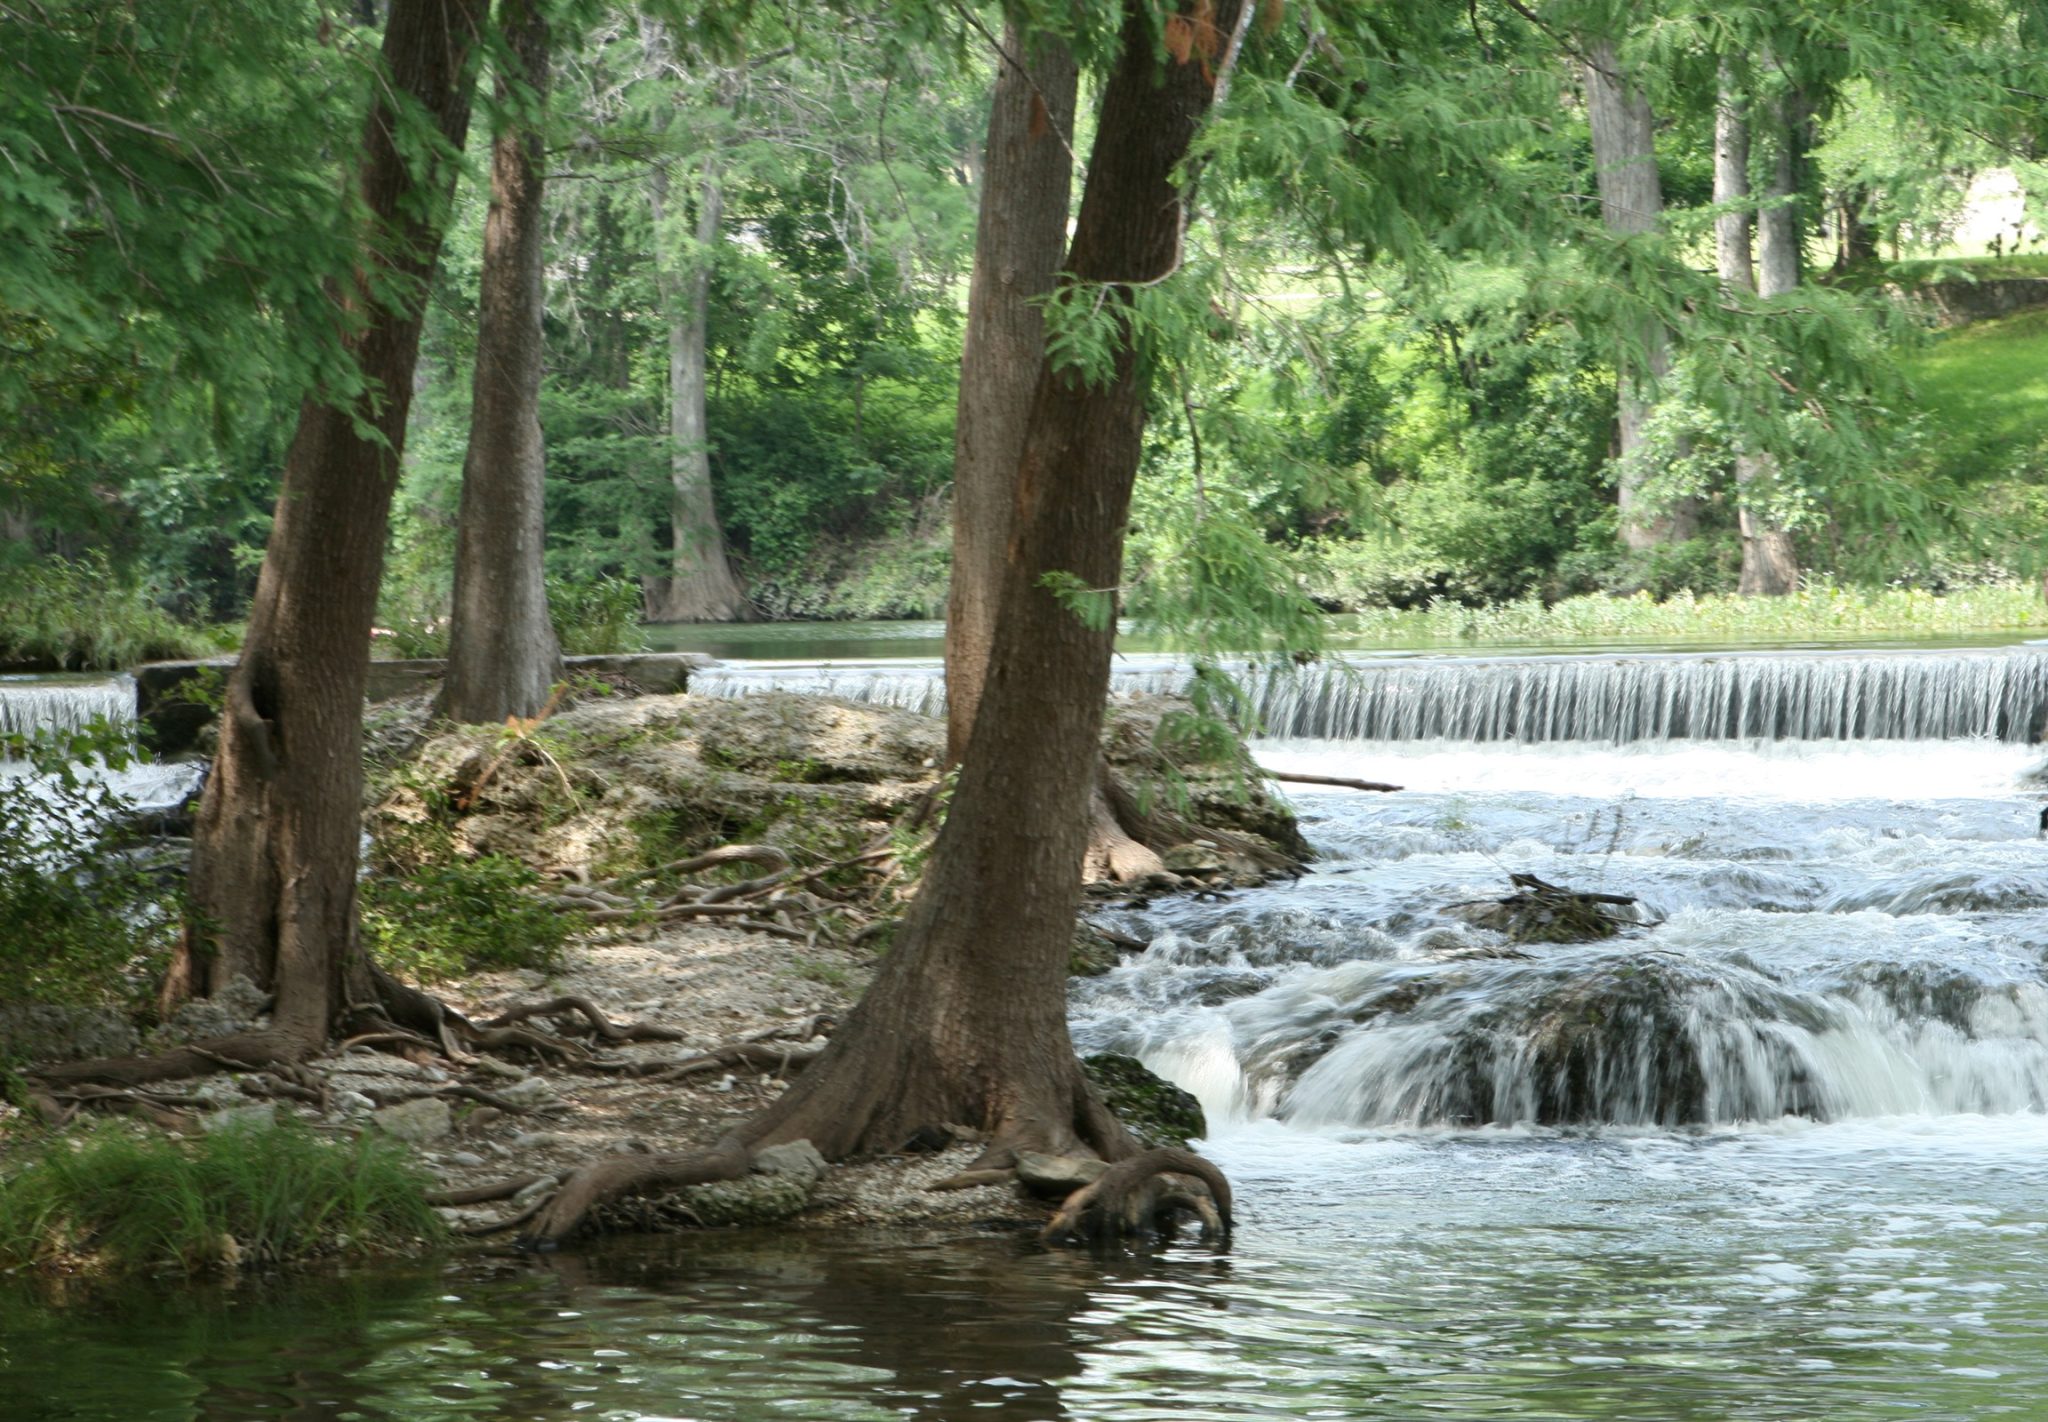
{"x":1542,"y":912}
{"x":1341,"y":782}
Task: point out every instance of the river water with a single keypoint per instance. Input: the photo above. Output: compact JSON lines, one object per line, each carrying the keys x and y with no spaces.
{"x":1780,"y":1152}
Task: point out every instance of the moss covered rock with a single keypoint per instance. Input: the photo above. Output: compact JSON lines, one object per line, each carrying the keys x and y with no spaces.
{"x":1156,"y":1111}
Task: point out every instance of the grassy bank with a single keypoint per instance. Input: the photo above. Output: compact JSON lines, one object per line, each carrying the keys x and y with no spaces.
{"x":114,"y":1200}
{"x":1824,"y":614}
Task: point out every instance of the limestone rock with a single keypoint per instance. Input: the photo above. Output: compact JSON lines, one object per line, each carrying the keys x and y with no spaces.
{"x":1057,"y":1175}
{"x":1152,"y":1108}
{"x":427,"y":1119}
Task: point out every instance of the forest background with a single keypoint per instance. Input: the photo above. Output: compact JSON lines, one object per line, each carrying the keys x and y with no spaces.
{"x":1529,"y":384}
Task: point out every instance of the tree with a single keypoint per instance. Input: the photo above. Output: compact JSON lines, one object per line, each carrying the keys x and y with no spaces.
{"x":1632,"y":205}
{"x":1019,"y":238}
{"x":274,"y":850}
{"x":698,"y":585}
{"x":966,"y":1022}
{"x":502,"y":652}
{"x":1770,"y":566}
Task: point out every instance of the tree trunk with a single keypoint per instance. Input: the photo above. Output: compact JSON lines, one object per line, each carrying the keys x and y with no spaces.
{"x":966,"y":1021}
{"x":699,"y":586}
{"x":1018,"y":242}
{"x":1631,"y":204}
{"x":1770,"y":566}
{"x":502,"y":652}
{"x":274,"y":853}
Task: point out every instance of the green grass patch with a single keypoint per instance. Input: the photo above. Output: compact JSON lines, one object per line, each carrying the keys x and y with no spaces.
{"x":1821,"y":614}
{"x":79,"y":616}
{"x":1986,"y":384}
{"x":112,"y":1200}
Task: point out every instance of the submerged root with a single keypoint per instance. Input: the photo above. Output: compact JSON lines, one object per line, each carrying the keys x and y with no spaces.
{"x":1144,"y":1195}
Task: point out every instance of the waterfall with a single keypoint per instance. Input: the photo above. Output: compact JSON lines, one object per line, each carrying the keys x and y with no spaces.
{"x":2001,"y":693}
{"x":29,"y":705}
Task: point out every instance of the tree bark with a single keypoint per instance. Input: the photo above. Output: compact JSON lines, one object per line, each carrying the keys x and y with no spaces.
{"x":700,"y":585}
{"x":1770,"y":565}
{"x":274,"y":853}
{"x":1631,"y":205}
{"x":1019,"y":238}
{"x":966,"y":1021}
{"x":502,"y":652}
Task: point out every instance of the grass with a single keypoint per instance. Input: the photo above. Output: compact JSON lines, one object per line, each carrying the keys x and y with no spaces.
{"x":112,"y":1200}
{"x":1820,"y":614}
{"x":1987,"y":384}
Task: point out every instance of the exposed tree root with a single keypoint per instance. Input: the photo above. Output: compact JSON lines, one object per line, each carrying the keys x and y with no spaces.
{"x":600,"y":1025}
{"x":1142,"y":1195}
{"x":621,"y":1176}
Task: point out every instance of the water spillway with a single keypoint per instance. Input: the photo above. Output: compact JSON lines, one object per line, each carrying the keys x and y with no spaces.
{"x":1934,"y":695}
{"x":36,"y":705}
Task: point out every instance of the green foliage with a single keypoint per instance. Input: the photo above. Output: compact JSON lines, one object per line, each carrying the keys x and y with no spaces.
{"x":600,"y":617}
{"x":247,"y":1195}
{"x":78,"y":615}
{"x":1816,"y":613}
{"x":85,"y":916}
{"x":458,"y":916}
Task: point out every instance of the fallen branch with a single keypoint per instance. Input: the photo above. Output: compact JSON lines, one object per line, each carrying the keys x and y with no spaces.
{"x":1342,"y":783}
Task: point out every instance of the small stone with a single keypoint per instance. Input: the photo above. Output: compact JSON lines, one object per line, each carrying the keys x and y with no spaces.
{"x":534,"y":1191}
{"x":529,"y":1092}
{"x":467,"y":1159}
{"x":541,"y":1140}
{"x":254,"y":1116}
{"x":796,"y":1159}
{"x":427,"y":1119}
{"x":353,"y":1103}
{"x":510,"y":1071}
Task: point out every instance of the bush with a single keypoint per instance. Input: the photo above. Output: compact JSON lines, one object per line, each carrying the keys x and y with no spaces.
{"x":247,"y":1195}
{"x":597,"y":618}
{"x":77,"y":616}
{"x":452,"y":916}
{"x":84,"y":917}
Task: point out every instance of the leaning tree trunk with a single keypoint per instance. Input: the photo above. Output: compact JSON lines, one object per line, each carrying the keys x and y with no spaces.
{"x":966,"y":1023}
{"x":1770,"y":566}
{"x":1027,"y":173}
{"x":699,"y":585}
{"x":502,"y":652}
{"x":1631,"y":205}
{"x":274,"y":851}
{"x":1019,"y":239}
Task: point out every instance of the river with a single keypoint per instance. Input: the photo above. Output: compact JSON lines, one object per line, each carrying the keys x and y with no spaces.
{"x":1780,"y":1153}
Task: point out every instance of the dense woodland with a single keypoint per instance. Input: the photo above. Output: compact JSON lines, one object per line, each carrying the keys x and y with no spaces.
{"x":323,"y":319}
{"x":1475,"y":304}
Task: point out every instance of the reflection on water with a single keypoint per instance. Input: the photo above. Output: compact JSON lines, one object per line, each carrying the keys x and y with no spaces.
{"x":1880,"y":1255}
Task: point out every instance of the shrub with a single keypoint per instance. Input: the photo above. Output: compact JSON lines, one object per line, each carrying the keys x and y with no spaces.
{"x":451,"y":916}
{"x":597,"y":618}
{"x":79,"y":616}
{"x":247,"y":1195}
{"x":83,"y":915}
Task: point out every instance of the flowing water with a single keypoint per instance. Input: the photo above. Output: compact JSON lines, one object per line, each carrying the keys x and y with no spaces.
{"x":1778,"y":1152}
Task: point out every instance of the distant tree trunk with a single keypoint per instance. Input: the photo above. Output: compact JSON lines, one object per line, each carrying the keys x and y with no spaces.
{"x":1018,"y":242}
{"x":700,"y":585}
{"x":966,"y":1022}
{"x":1770,"y":566}
{"x":274,"y":853}
{"x":1631,"y":204}
{"x":502,"y":652}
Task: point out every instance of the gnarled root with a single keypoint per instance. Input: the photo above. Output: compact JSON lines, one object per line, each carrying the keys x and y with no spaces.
{"x":1143,"y":1195}
{"x":620,"y":1176}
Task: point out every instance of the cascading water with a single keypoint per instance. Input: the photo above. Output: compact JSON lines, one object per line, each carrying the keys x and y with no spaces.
{"x":30,"y":705}
{"x":2001,"y":693}
{"x":1834,"y":932}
